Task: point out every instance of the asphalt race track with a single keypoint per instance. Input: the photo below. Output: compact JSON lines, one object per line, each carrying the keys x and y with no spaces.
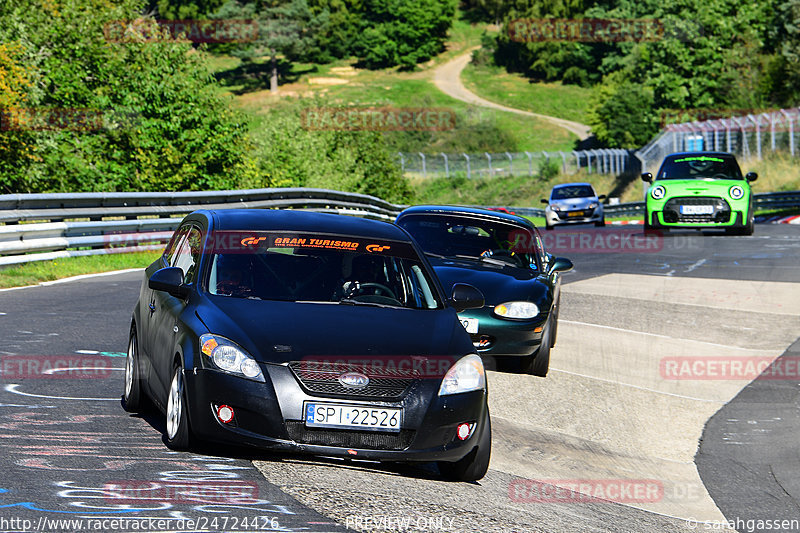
{"x":651,"y":418}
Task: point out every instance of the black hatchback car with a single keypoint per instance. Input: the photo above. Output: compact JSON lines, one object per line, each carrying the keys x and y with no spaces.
{"x":308,"y":332}
{"x":502,"y":255}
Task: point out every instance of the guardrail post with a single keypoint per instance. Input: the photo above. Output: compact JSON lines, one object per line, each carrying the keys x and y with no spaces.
{"x":510,"y":164}
{"x":489,"y":157}
{"x":467,"y":158}
{"x":446,"y":166}
{"x":530,"y":164}
{"x":424,"y":170}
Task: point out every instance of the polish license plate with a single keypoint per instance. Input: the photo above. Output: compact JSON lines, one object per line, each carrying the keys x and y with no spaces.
{"x":348,"y":416}
{"x":697,"y":209}
{"x":470,"y":324}
{"x":576,"y":214}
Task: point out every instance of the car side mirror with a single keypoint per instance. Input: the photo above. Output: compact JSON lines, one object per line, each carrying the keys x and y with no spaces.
{"x":751,"y":176}
{"x":169,"y":279}
{"x":647,"y":177}
{"x":561,"y":264}
{"x":545,"y":201}
{"x":466,"y":297}
{"x":601,"y":197}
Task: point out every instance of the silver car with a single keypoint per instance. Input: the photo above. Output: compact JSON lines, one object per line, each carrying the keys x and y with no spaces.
{"x":574,"y":203}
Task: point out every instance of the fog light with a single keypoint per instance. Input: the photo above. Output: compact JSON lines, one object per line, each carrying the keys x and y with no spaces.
{"x":225,"y":413}
{"x":464,"y":431}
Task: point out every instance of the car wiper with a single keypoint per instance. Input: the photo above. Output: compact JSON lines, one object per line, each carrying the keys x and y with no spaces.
{"x":350,"y":301}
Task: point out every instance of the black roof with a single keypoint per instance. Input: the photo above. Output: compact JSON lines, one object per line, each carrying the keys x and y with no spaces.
{"x":475,"y":212}
{"x":301,"y":221}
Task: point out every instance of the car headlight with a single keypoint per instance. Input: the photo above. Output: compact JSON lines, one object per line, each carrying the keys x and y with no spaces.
{"x":736,"y":192}
{"x":465,"y":376}
{"x":229,"y":357}
{"x":555,"y":207}
{"x":517,"y":310}
{"x":658,"y":192}
{"x":592,"y":205}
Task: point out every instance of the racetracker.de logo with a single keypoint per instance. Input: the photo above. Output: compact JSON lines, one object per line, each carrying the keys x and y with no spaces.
{"x":586,"y":490}
{"x":386,"y":367}
{"x":589,"y":30}
{"x":194,"y":31}
{"x":590,"y":241}
{"x":16,"y":367}
{"x":222,"y":492}
{"x":79,"y":119}
{"x":378,"y":119}
{"x":702,"y":368}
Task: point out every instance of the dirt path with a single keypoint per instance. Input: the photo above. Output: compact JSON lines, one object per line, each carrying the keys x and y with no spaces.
{"x":447,"y":79}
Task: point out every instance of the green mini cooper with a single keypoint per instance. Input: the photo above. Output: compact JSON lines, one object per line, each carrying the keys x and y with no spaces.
{"x":700,"y":190}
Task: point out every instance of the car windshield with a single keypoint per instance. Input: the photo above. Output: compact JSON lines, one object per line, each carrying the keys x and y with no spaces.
{"x":314,"y":268}
{"x":474,"y":238}
{"x":572,"y":191}
{"x":700,"y":167}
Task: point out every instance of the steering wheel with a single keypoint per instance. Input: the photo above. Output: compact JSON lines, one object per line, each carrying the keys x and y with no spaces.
{"x":720,"y":176}
{"x":233,"y":288}
{"x":378,"y":286}
{"x":503,"y":254}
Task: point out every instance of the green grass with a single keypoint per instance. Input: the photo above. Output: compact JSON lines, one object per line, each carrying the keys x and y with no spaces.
{"x":39,"y":271}
{"x":514,"y":90}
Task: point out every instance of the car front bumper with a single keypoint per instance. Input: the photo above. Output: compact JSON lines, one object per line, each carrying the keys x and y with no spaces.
{"x":503,"y":337}
{"x":270,"y":416}
{"x":563,"y":217}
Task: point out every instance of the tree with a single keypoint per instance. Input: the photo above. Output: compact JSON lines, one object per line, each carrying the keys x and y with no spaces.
{"x":284,"y":28}
{"x":621,"y":113}
{"x":156,"y":121}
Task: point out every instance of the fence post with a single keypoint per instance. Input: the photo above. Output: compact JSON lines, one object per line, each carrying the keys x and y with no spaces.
{"x":402,"y":163}
{"x":563,"y":161}
{"x":424,"y":170}
{"x":788,"y":119}
{"x":772,"y":132}
{"x":489,"y":157}
{"x":530,"y":164}
{"x":446,"y":166}
{"x":467,"y":158}
{"x":510,"y":164}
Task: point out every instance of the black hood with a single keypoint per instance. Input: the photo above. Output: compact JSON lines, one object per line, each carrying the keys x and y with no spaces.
{"x":278,"y":332}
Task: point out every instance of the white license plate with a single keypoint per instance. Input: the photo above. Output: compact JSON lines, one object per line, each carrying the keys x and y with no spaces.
{"x":576,"y":214}
{"x":331,"y":415}
{"x":697,"y":209}
{"x":470,"y":324}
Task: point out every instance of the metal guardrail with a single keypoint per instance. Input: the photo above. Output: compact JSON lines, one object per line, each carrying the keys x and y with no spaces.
{"x":124,"y":222}
{"x":54,"y":235}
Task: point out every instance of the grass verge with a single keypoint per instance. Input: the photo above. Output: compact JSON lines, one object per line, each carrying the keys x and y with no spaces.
{"x":39,"y":271}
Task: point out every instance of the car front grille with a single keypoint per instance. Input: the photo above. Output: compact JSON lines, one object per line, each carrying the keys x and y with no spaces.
{"x":345,"y":438}
{"x":720,"y":215}
{"x":322,"y":378}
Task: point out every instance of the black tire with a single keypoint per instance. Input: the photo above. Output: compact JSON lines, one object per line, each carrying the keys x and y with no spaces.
{"x":475,"y":464}
{"x":178,"y":430}
{"x":554,"y":335}
{"x":538,"y":363}
{"x":547,"y":226}
{"x":132,"y":400}
{"x":600,"y":223}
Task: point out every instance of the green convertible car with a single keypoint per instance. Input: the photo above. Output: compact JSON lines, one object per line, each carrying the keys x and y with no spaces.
{"x":700,"y":190}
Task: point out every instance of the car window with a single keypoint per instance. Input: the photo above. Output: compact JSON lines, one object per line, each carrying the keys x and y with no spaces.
{"x":573,"y":191}
{"x":187,"y":256}
{"x":700,"y":167}
{"x":300,"y":268}
{"x":174,"y":243}
{"x":466,"y":237}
